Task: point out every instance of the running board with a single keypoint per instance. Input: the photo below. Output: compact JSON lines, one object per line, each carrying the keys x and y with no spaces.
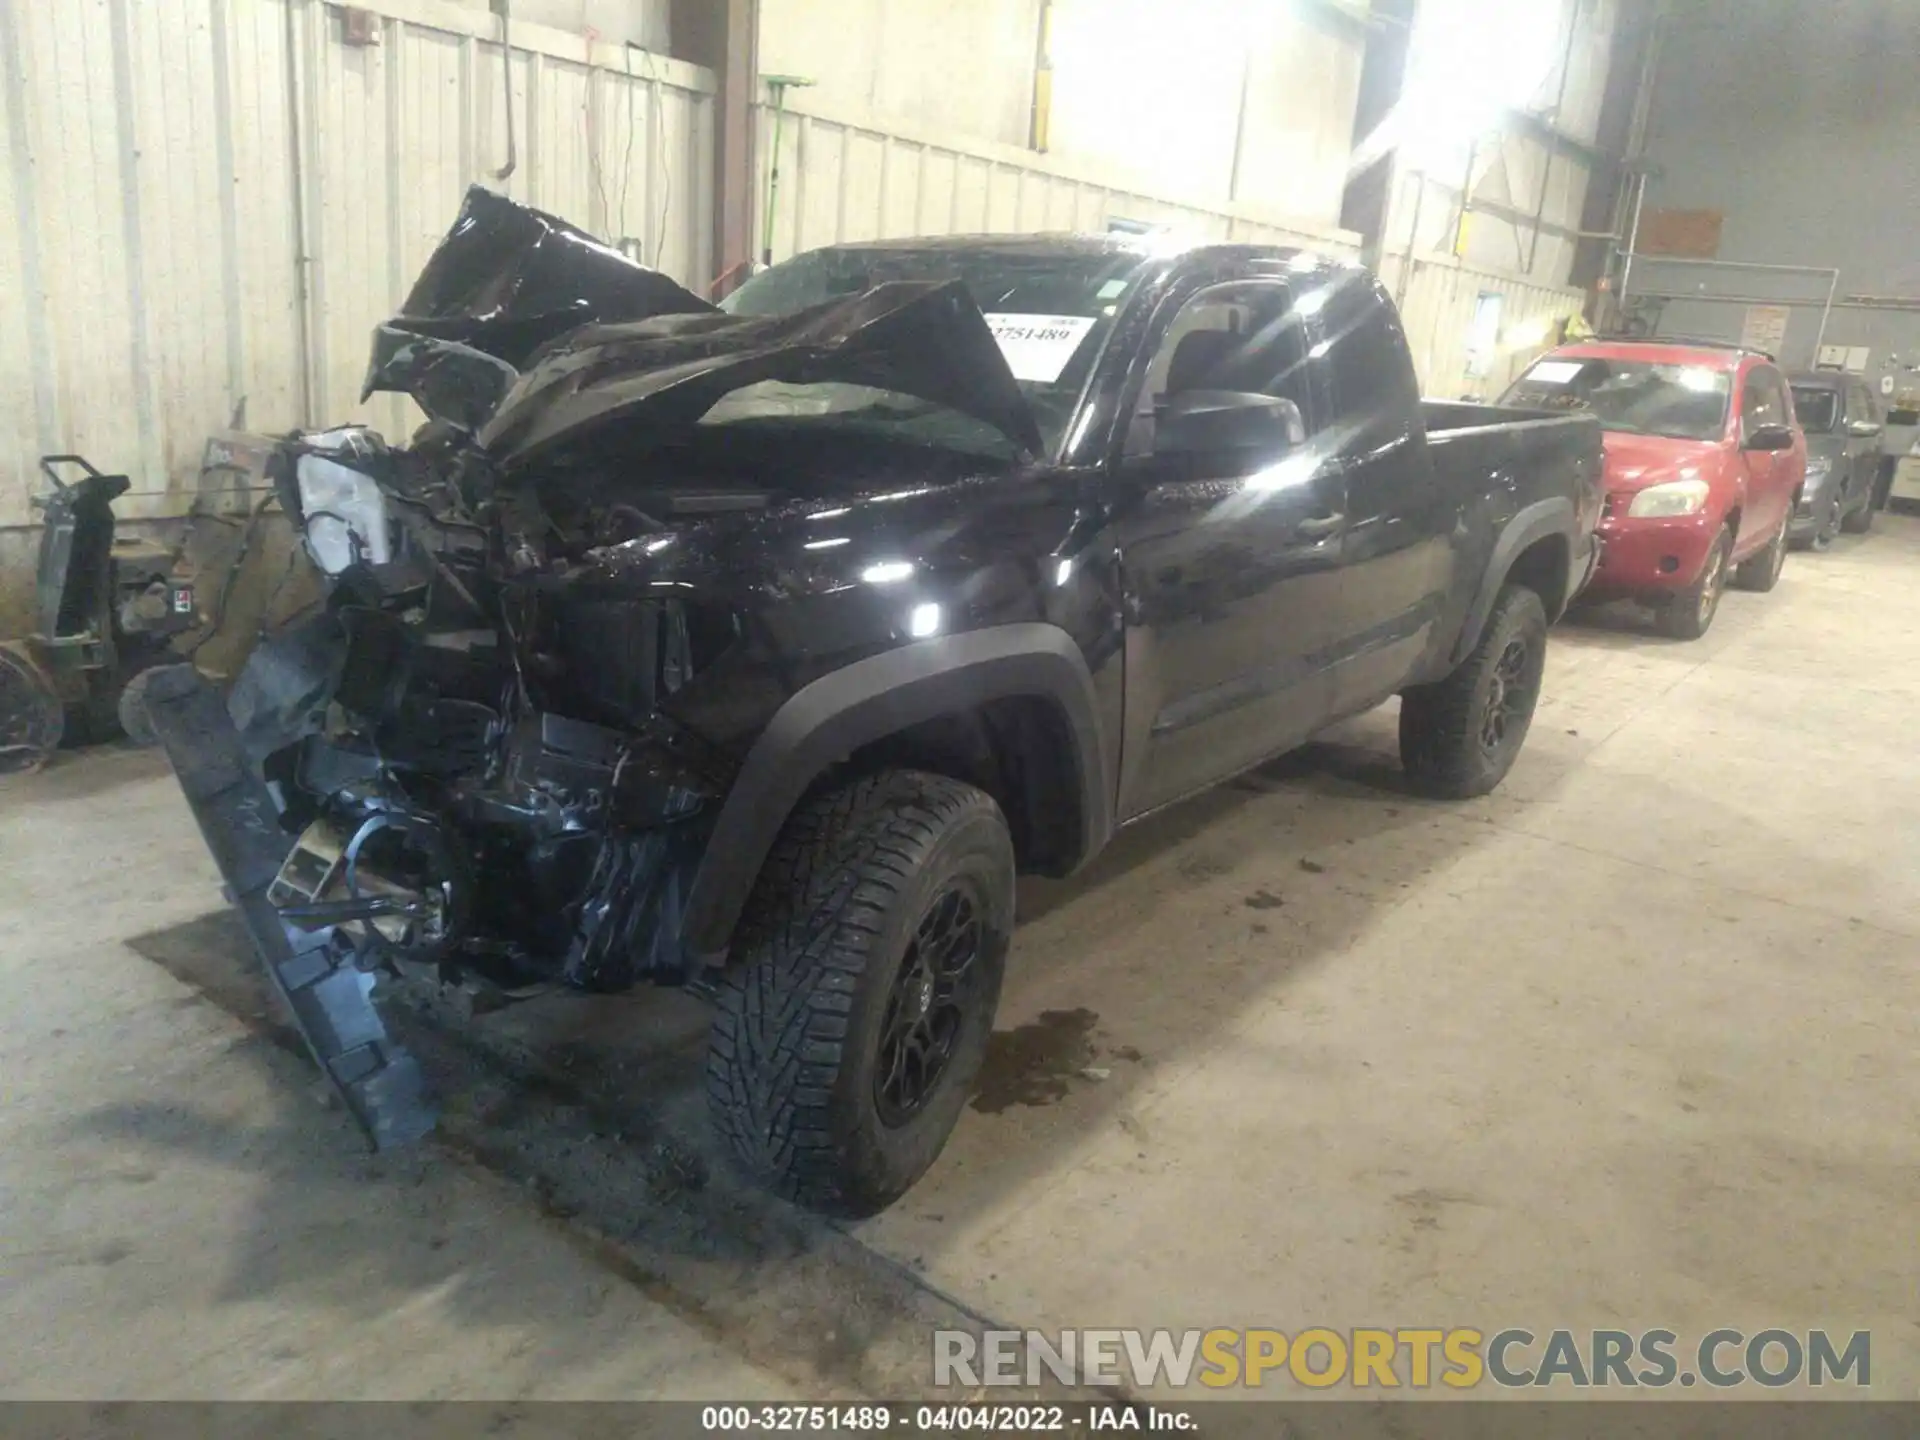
{"x":328,"y":997}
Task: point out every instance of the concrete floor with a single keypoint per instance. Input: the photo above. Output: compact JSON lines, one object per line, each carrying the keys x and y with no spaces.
{"x":1631,"y":1043}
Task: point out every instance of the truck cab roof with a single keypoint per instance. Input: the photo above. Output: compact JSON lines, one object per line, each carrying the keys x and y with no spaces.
{"x":1073,"y":244}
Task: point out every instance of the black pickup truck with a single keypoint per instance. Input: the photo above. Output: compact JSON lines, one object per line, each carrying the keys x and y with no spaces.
{"x":756,"y":648}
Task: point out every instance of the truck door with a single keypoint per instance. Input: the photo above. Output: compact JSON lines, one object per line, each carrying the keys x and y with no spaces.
{"x":1229,"y":555}
{"x":1403,"y":511}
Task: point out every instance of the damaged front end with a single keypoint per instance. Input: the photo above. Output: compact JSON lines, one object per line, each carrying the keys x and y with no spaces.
{"x":394,"y":782}
{"x":448,"y":768}
{"x":466,"y":761}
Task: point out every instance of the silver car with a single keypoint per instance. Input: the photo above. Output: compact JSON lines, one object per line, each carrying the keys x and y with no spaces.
{"x":1843,"y":424}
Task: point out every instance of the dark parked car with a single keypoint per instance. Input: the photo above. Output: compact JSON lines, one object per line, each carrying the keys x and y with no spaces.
{"x":1843,"y":423}
{"x":757,"y":650}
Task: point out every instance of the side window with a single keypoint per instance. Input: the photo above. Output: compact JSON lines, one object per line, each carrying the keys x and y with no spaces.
{"x":1765,"y":400}
{"x":1243,"y":336}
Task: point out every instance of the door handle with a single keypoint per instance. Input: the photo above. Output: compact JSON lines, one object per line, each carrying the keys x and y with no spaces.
{"x":1318,"y":526}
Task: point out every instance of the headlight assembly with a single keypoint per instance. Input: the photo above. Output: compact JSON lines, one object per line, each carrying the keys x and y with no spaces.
{"x":1675,"y":497}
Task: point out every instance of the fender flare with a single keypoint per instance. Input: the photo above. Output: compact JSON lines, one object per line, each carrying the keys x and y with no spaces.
{"x":868,"y":700}
{"x":1538,"y":521}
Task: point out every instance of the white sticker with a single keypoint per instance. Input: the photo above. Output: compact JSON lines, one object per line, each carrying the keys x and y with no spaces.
{"x":1112,"y":288}
{"x":1038,"y":347}
{"x":1556,"y":372}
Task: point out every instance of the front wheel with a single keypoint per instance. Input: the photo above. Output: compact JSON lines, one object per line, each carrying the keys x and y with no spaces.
{"x":1460,"y":736}
{"x":1687,"y":614}
{"x":853,"y":1023}
{"x":1762,"y":572}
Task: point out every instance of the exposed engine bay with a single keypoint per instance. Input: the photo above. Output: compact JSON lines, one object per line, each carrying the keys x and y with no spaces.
{"x":470,"y":736}
{"x":552,"y":630}
{"x":474,"y":757}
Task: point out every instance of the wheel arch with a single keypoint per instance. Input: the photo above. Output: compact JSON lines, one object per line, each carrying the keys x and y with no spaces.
{"x":1538,"y":545}
{"x":893,"y":705}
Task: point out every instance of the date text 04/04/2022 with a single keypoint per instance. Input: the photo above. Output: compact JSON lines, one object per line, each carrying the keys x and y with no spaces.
{"x":974,"y":1418}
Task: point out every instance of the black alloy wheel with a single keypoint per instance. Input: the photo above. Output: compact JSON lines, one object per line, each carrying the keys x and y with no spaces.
{"x":1510,"y":696}
{"x":926,"y":1007}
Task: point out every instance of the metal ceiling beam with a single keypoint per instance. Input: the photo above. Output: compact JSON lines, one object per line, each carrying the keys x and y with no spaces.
{"x":1543,"y":131}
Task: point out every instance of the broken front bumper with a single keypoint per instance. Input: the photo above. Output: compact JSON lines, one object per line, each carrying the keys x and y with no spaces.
{"x":325,"y":993}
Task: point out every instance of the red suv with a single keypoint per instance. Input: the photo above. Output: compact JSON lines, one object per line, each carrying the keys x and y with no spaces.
{"x":1704,"y":464}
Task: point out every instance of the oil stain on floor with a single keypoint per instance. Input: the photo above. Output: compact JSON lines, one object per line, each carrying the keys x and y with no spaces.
{"x":1033,"y":1064}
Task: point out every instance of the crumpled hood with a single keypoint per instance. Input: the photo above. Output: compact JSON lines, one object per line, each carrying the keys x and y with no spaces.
{"x":532,"y":335}
{"x":1633,"y":462}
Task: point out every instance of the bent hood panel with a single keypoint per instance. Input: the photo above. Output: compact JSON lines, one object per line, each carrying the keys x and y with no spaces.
{"x":533,"y":334}
{"x":504,"y":281}
{"x":920,"y":338}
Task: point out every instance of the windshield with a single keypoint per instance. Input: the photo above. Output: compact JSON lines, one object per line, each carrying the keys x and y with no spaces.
{"x":1050,"y":313}
{"x":1682,"y":402}
{"x":1817,"y":407}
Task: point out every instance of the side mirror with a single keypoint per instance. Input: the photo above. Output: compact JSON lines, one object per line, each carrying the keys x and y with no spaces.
{"x":1218,"y":422}
{"x":1769,"y":437}
{"x":1864,"y":429}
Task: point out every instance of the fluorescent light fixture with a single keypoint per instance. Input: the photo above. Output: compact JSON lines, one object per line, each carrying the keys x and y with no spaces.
{"x":828,"y":514}
{"x":826,"y":544}
{"x":1063,"y":572}
{"x":923,"y":620}
{"x":887,"y":572}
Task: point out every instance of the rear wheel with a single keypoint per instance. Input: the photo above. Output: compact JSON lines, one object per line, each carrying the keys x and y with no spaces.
{"x":1460,"y":736}
{"x":1762,"y":572}
{"x":1688,"y":614}
{"x":851,"y":1027}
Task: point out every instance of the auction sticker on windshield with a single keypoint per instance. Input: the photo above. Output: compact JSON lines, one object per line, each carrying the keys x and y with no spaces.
{"x":1555,"y":372}
{"x":1038,"y":347}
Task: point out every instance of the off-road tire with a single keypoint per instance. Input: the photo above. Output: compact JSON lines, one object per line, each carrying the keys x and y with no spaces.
{"x":1444,"y":726}
{"x":1760,"y":573}
{"x":798,"y":1030}
{"x":1684,"y":615}
{"x":1860,"y":521}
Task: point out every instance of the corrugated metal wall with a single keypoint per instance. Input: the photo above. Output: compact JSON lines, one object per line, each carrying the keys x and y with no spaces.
{"x":1438,"y":308}
{"x":844,"y":177}
{"x":166,"y":164}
